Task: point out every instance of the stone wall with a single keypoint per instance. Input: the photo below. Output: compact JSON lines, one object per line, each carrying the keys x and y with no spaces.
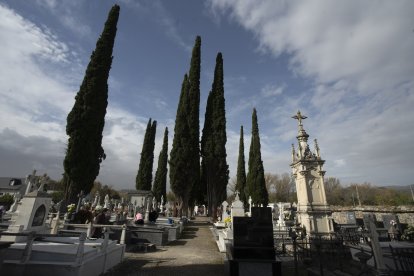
{"x":405,"y":214}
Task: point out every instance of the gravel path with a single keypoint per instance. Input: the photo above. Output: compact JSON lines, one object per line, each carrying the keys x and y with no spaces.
{"x":196,"y":253}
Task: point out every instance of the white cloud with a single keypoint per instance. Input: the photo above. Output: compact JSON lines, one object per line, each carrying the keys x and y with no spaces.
{"x":35,"y":103}
{"x":272,"y":90}
{"x":358,"y":57}
{"x":29,"y":94}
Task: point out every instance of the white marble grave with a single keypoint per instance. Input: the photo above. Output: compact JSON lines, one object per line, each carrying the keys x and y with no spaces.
{"x":53,"y":255}
{"x":30,"y":215}
{"x":237,"y":207}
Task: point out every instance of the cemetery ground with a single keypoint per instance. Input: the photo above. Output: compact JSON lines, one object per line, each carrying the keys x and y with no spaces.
{"x":195,"y":253}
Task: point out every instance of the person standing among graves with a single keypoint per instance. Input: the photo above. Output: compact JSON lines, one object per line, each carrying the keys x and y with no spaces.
{"x":153,"y":215}
{"x":139,"y":219}
{"x":99,"y":219}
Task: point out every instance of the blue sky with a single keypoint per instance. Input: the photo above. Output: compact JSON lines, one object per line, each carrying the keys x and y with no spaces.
{"x":347,"y":65}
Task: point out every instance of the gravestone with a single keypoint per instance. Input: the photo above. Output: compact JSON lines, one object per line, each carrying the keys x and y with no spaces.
{"x":346,"y":218}
{"x":367,"y":219}
{"x":350,"y":218}
{"x":31,"y":215}
{"x":281,"y":221}
{"x":237,"y":207}
{"x":252,"y":249}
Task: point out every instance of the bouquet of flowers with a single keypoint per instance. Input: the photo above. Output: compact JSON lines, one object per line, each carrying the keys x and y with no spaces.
{"x":71,"y":208}
{"x":227,"y":221}
{"x":393,"y":222}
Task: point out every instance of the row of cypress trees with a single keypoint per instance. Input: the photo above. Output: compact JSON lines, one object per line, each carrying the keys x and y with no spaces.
{"x":190,"y":182}
{"x":254,"y":185}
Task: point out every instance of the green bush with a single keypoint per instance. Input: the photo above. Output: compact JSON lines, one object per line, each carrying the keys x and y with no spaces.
{"x":6,"y":200}
{"x":408,"y":234}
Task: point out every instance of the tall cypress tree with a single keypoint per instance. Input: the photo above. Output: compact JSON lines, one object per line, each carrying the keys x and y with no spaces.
{"x":207,"y":150}
{"x":185,"y":152}
{"x":86,"y":120}
{"x":241,"y":170}
{"x":179,"y":155}
{"x":160,"y":181}
{"x":144,"y":175}
{"x":214,"y":164}
{"x":194,"y":122}
{"x":255,"y":184}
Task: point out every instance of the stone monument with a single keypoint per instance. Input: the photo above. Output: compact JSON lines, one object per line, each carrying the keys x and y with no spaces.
{"x":313,"y":211}
{"x":106,"y":201}
{"x":237,"y":207}
{"x":30,"y":215}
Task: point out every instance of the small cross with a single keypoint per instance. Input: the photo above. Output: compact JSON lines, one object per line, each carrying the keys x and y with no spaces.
{"x":299,"y":117}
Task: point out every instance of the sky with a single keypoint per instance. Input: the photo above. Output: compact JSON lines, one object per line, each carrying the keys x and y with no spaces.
{"x":346,"y":65}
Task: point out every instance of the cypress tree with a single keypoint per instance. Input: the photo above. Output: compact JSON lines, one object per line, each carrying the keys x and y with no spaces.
{"x":160,"y":181}
{"x":185,"y":152}
{"x":207,"y":149}
{"x":255,"y":183}
{"x":215,"y":168}
{"x":86,"y":120}
{"x":179,"y":155}
{"x":194,"y":122}
{"x":144,"y":175}
{"x":241,"y":170}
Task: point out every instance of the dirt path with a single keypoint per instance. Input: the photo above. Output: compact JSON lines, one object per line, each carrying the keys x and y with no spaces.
{"x":195,"y":253}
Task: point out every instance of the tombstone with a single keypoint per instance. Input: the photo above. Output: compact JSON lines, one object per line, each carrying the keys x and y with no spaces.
{"x":252,"y":250}
{"x":367,"y":218}
{"x":147,"y":211}
{"x":350,"y":218}
{"x":162,"y":204}
{"x":17,"y":197}
{"x":237,"y":207}
{"x":95,"y":201}
{"x":106,"y":201}
{"x":281,"y":220}
{"x":30,"y":182}
{"x":31,"y":215}
{"x":250,"y":206}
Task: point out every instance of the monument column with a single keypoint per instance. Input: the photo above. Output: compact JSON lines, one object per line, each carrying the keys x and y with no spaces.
{"x":313,"y":211}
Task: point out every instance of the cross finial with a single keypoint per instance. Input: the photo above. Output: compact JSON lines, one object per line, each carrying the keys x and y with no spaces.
{"x":299,"y":117}
{"x":237,"y":195}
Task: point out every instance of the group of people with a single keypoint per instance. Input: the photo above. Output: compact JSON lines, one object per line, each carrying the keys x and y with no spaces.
{"x":152,"y":217}
{"x":97,"y":215}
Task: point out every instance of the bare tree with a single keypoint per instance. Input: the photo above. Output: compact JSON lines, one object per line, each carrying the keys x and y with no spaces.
{"x":231,"y":189}
{"x":280,"y":187}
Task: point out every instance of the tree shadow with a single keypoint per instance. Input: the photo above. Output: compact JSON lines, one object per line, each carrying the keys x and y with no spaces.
{"x":136,"y":267}
{"x":177,"y":242}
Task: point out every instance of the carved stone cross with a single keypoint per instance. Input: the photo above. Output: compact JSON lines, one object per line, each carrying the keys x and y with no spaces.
{"x":299,"y":117}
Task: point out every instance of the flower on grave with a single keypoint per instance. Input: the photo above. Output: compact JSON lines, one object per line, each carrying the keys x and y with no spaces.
{"x":227,"y":220}
{"x":71,"y":208}
{"x":393,"y":223}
